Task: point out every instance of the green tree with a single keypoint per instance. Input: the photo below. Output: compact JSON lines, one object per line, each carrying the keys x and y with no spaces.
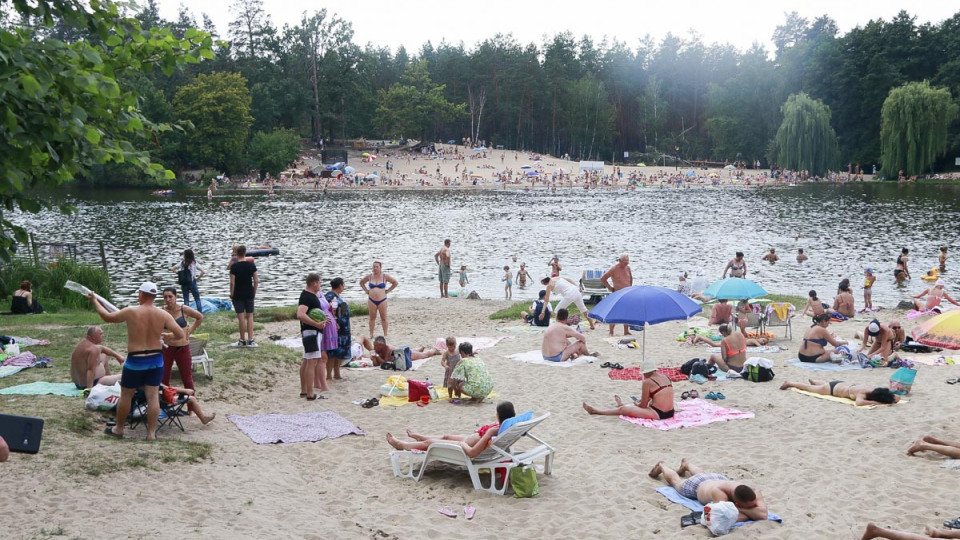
{"x":913,"y":127}
{"x":415,"y":105}
{"x":218,"y":105}
{"x":272,"y":152}
{"x":805,"y":140}
{"x":65,"y":107}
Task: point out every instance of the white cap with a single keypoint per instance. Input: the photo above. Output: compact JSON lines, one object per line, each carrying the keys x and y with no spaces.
{"x":148,"y":288}
{"x":873,"y":328}
{"x":939,"y":283}
{"x":649,"y":365}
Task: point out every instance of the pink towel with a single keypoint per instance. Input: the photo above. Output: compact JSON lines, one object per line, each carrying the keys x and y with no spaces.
{"x":692,"y":413}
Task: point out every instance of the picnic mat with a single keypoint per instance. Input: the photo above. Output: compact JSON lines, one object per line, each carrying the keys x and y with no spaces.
{"x":760,"y":349}
{"x":289,"y":428}
{"x":522,"y":329}
{"x":822,"y":366}
{"x":442,"y":395}
{"x":536,"y":357}
{"x":29,"y":341}
{"x":40,"y":388}
{"x":695,"y":412}
{"x":634,"y":374}
{"x":841,"y":400}
{"x":675,"y":497}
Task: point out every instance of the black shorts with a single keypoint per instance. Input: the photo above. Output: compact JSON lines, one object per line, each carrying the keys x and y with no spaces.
{"x":243,"y":306}
{"x":809,"y":358}
{"x":311,"y":341}
{"x":135,"y":378}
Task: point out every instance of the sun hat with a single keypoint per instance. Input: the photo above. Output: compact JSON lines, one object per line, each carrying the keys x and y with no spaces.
{"x":869,"y":270}
{"x":148,"y":287}
{"x":649,"y":365}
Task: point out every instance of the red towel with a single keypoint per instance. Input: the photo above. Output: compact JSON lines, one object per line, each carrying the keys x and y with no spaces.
{"x":634,"y":374}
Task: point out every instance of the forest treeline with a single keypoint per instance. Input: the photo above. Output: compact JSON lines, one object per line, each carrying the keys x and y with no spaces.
{"x":571,"y":95}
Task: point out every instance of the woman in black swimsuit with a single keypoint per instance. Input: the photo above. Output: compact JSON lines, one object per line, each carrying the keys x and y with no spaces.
{"x":861,"y":395}
{"x":814,"y":348}
{"x":656,"y":400}
{"x":178,"y":350}
{"x":902,"y":272}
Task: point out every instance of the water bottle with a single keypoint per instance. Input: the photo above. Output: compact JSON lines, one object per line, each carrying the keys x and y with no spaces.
{"x":432,"y":391}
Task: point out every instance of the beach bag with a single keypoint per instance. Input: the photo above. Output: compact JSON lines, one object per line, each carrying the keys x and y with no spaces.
{"x":103,"y":398}
{"x":401,"y":359}
{"x":697,"y":366}
{"x":720,"y":517}
{"x":416,"y":390}
{"x":183,"y":276}
{"x":523,"y":480}
{"x":757,"y":370}
{"x":902,"y":380}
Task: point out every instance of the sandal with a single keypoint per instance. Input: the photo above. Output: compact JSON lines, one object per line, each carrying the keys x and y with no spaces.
{"x":952,"y":524}
{"x":720,"y":395}
{"x":953,"y":381}
{"x":616,"y":366}
{"x":694,"y":394}
{"x":606,"y":365}
{"x":109,"y":431}
{"x":710,"y":395}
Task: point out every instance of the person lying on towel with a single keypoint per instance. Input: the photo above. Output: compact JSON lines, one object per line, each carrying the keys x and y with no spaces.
{"x":713,"y":487}
{"x":862,"y":395}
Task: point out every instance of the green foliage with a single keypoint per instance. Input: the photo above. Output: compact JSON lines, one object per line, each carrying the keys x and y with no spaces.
{"x":64,"y":106}
{"x":805,"y":140}
{"x":913,"y":127}
{"x":218,"y":106}
{"x":47,"y":282}
{"x":416,"y":105}
{"x":273,"y":152}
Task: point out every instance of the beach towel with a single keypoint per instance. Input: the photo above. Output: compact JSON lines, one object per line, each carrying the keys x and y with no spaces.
{"x":40,"y":388}
{"x":695,"y":412}
{"x":522,"y":329}
{"x":289,"y":428}
{"x":841,"y":400}
{"x":25,"y":359}
{"x":675,"y":497}
{"x":414,"y":365}
{"x":914,"y":314}
{"x":479,"y":343}
{"x":761,"y":349}
{"x":295,"y":343}
{"x":634,"y":374}
{"x":6,"y":371}
{"x":442,"y":395}
{"x":823,"y":366}
{"x":536,"y":357}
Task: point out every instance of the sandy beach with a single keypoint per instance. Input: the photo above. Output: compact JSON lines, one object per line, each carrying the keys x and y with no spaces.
{"x":826,"y":468}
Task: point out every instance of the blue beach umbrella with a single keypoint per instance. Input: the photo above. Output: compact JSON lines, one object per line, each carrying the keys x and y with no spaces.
{"x":526,"y":167}
{"x":349,"y":170}
{"x":734,"y":289}
{"x":642,"y":305}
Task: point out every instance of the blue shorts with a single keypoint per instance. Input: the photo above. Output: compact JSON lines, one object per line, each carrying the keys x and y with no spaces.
{"x":243,"y":306}
{"x":136,"y":378}
{"x":556,"y":358}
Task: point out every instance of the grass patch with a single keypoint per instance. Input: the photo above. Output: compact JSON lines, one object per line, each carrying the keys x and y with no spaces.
{"x":80,"y":423}
{"x":289,"y":313}
{"x":512,"y":312}
{"x":48,"y":279}
{"x":137,"y":454}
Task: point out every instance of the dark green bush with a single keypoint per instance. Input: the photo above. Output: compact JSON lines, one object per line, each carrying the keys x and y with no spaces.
{"x":48,"y":281}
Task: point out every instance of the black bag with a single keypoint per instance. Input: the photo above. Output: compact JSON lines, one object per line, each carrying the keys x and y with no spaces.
{"x":755,"y":373}
{"x":184,"y":277}
{"x":697,"y":366}
{"x":388,"y":365}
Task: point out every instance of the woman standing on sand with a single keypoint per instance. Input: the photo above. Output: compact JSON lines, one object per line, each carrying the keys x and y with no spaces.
{"x":375,"y":285}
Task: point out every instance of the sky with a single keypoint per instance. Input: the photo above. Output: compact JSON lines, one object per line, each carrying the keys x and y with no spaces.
{"x":412,"y":23}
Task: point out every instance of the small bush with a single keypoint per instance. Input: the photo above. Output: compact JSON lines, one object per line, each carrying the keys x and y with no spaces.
{"x":48,"y":281}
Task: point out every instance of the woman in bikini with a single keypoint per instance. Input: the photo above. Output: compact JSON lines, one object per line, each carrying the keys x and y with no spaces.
{"x":656,"y":399}
{"x":472,"y":444}
{"x":733,"y":350}
{"x":862,"y":395}
{"x":737,"y":266}
{"x":844,"y":302}
{"x":178,"y":350}
{"x":902,"y":272}
{"x":935,"y":295}
{"x":816,"y":339}
{"x":814,"y":306}
{"x":375,"y":285}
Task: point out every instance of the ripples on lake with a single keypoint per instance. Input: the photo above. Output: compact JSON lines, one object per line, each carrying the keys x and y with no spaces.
{"x":843,"y":230}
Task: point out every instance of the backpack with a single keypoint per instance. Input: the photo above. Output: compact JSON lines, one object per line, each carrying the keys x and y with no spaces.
{"x":401,"y":359}
{"x":757,"y":373}
{"x":697,"y":366}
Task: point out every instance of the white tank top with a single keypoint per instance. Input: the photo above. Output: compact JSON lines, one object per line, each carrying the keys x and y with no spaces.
{"x":565,"y":288}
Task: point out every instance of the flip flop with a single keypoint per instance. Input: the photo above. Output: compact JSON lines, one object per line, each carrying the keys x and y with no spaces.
{"x":710,"y":395}
{"x":616,"y":366}
{"x":952,"y":524}
{"x":109,"y":431}
{"x":447,"y":512}
{"x":606,"y":365}
{"x":721,"y":396}
{"x":469,"y":512}
{"x":685,"y":395}
{"x":694,"y":394}
{"x":952,"y":381}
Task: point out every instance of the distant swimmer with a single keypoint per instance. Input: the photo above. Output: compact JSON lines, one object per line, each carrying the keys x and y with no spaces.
{"x":772,"y":256}
{"x":801,"y":256}
{"x":902,"y":272}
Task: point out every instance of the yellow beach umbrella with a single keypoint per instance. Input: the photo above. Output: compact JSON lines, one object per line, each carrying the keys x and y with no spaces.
{"x":940,"y":331}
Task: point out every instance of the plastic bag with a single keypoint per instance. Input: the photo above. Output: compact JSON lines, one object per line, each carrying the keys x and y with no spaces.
{"x":103,"y":398}
{"x":720,"y":517}
{"x":523,"y":480}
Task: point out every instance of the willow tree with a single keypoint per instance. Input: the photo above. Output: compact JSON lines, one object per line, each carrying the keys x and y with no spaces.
{"x":805,"y":140}
{"x":913,"y":127}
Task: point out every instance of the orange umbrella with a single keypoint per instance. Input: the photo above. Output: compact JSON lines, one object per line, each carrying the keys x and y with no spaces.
{"x":940,"y":331}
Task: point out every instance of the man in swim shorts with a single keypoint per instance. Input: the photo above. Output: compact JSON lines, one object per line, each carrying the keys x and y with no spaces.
{"x":569,"y":293}
{"x":622,"y":277}
{"x":713,"y":487}
{"x":143,"y":366}
{"x":556,"y":348}
{"x":89,"y":362}
{"x":442,"y":258}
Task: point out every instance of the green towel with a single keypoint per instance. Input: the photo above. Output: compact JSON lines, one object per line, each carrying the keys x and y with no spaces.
{"x":40,"y":388}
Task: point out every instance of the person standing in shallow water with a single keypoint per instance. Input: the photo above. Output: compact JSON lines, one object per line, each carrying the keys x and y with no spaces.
{"x":902,"y":273}
{"x":442,"y":258}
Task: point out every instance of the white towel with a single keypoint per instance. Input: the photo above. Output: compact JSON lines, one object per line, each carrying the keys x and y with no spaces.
{"x":536,"y":357}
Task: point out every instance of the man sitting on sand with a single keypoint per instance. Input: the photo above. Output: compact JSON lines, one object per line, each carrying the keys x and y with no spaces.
{"x":555,"y":346}
{"x":712,"y":487}
{"x":380,"y":352}
{"x":875,"y":531}
{"x":89,"y":363}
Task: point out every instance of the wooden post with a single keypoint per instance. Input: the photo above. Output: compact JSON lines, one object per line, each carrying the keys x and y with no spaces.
{"x":103,"y":256}
{"x":36,"y":255}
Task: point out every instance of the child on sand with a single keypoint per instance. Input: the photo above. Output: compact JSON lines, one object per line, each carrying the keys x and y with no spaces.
{"x":508,"y":283}
{"x":868,"y":279}
{"x":449,"y":360}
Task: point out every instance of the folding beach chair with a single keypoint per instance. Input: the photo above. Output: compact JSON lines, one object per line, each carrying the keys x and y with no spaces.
{"x":593,"y":287}
{"x":170,"y":413}
{"x":774,"y":319}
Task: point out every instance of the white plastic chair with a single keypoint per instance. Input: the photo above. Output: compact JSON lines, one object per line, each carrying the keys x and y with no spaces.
{"x":198,"y":352}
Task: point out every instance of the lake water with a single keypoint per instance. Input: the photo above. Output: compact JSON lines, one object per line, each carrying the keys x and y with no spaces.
{"x":843,"y":229}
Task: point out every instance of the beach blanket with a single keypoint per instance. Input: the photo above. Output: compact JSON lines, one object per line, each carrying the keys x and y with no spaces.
{"x":442,"y":395}
{"x":522,"y":329}
{"x":288,"y":428}
{"x":914,"y":314}
{"x":479,"y":343}
{"x":40,"y":388}
{"x":291,"y":343}
{"x":357,"y":366}
{"x":841,"y":400}
{"x":823,"y":366}
{"x":6,"y":371}
{"x":692,"y":413}
{"x":26,"y":360}
{"x":675,"y":497}
{"x":634,"y":374}
{"x":536,"y":357}
{"x":761,"y":349}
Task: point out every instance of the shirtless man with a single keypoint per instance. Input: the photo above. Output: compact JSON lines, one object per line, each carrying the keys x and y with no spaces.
{"x":772,"y":256}
{"x":713,"y":487}
{"x":800,"y":255}
{"x":569,"y":292}
{"x":555,"y":346}
{"x":89,"y":363}
{"x":622,"y":278}
{"x":380,"y":352}
{"x":442,"y":258}
{"x":144,"y":364}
